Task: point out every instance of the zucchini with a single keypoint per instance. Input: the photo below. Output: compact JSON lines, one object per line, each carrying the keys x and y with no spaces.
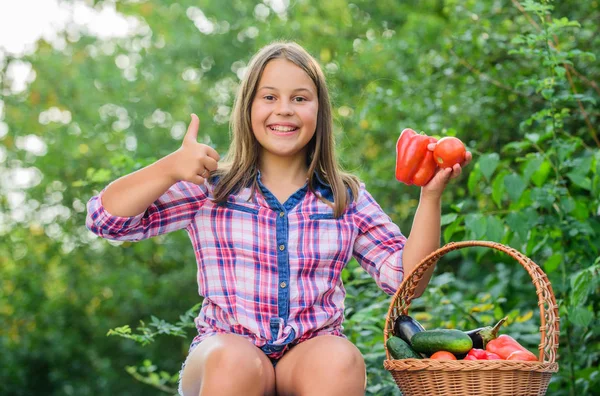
{"x":430,"y":341}
{"x":400,"y":349}
{"x":405,"y":327}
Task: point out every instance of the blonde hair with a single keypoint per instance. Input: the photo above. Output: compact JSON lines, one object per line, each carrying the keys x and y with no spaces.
{"x":240,"y":166}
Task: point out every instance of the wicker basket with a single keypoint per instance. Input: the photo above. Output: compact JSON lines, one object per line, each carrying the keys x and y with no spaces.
{"x":472,"y":377}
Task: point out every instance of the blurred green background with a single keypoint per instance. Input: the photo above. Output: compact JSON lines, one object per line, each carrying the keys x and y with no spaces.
{"x":517,"y":81}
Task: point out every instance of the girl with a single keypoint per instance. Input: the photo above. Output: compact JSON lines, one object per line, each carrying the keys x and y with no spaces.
{"x":272,"y":228}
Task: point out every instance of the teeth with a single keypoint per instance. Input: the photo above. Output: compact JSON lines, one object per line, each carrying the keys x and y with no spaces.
{"x":279,"y":128}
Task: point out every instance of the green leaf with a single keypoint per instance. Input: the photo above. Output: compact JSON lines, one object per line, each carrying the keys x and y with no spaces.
{"x":498,"y":189}
{"x":566,"y":148}
{"x":581,"y":316}
{"x":518,"y":222}
{"x":532,"y":166}
{"x":451,"y":229}
{"x":476,"y":224}
{"x":552,"y":263}
{"x":542,"y":197}
{"x":581,"y":211}
{"x":580,"y":180}
{"x":534,"y":244}
{"x":474,"y":178}
{"x":582,"y":284}
{"x":514,"y":186}
{"x":567,"y":204}
{"x":448,"y":218}
{"x":495,"y":229}
{"x":532,"y":137}
{"x":541,"y":174}
{"x":560,"y":71}
{"x":488,"y":164}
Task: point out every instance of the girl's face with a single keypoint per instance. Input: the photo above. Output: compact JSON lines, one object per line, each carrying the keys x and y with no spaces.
{"x":284,"y":110}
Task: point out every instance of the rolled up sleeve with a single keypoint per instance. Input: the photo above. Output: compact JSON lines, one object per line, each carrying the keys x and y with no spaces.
{"x":172,"y":211}
{"x":379,"y":244}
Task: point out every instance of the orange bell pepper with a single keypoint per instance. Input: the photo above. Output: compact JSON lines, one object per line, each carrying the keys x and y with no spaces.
{"x":414,"y":162}
{"x":504,"y":346}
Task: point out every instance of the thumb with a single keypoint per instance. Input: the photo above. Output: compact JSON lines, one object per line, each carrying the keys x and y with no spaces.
{"x":192,"y":132}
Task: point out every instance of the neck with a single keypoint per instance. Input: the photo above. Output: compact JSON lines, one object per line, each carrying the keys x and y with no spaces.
{"x":292,"y":170}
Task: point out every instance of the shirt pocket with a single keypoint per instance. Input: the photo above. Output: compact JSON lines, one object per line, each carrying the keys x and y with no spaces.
{"x":330,"y":237}
{"x":241,"y":208}
{"x":321,"y":216}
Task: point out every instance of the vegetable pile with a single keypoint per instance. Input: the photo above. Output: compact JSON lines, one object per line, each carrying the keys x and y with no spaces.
{"x":410,"y":340}
{"x":416,"y":164}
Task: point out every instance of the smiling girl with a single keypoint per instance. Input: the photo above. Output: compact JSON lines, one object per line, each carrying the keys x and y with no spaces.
{"x":272,"y":227}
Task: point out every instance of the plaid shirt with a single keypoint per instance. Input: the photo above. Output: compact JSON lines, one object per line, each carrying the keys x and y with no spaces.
{"x":268,"y":271}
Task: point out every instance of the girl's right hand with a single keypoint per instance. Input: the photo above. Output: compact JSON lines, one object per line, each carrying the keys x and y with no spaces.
{"x":193,"y":161}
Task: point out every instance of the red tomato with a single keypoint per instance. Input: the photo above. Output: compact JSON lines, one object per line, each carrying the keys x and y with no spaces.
{"x":443,"y":355}
{"x":449,"y":151}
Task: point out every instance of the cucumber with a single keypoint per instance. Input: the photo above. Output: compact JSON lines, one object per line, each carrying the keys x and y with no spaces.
{"x":430,"y":341}
{"x":399,"y":349}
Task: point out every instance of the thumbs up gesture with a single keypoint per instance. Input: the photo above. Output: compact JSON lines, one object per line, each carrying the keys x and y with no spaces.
{"x":193,"y":161}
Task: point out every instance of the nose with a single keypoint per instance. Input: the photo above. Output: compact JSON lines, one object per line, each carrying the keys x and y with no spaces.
{"x":284,"y":108}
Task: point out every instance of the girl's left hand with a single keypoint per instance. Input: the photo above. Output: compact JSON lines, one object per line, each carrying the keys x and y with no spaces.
{"x":440,"y":180}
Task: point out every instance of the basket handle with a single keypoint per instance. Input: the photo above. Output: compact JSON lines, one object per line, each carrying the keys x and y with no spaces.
{"x":549,"y":318}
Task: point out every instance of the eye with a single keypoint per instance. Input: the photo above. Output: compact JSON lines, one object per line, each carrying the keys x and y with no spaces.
{"x":300,"y":99}
{"x":269,"y":97}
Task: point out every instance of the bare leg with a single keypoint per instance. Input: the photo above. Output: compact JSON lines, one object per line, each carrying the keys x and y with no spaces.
{"x":324,"y":365}
{"x":228,"y":364}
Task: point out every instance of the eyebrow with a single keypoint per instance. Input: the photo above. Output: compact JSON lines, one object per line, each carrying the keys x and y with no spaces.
{"x":295,"y":90}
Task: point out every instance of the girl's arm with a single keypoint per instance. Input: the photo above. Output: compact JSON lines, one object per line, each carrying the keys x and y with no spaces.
{"x":132,"y":194}
{"x":425,"y":232}
{"x":424,"y":238}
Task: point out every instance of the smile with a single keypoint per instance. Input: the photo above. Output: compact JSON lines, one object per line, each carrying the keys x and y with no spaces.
{"x":282,"y":129}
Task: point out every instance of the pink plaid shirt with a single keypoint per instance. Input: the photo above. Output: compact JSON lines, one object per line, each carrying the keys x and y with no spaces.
{"x":268,"y":271}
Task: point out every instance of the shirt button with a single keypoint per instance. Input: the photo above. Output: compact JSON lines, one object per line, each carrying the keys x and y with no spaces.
{"x":283,"y":285}
{"x":281,"y":214}
{"x":282,"y":247}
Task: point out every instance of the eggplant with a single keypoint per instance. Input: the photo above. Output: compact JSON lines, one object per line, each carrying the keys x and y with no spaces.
{"x":405,"y":327}
{"x":483,"y":335}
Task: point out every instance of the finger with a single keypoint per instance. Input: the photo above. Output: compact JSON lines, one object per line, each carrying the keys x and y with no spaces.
{"x":431,"y":146}
{"x":456,"y":171}
{"x":199,"y":180}
{"x":468,"y":158}
{"x":210,"y":164}
{"x":446,"y":174}
{"x":192,"y":132}
{"x":204,"y":173}
{"x":212,"y":153}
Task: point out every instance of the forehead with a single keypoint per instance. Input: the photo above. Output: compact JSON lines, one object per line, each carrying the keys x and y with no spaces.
{"x":285,"y":75}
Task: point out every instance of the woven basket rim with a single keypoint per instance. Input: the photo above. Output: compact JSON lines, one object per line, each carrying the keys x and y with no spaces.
{"x":469,"y":365}
{"x":549,"y":318}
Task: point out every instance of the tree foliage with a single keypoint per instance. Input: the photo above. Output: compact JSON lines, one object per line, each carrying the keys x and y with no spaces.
{"x":515,"y":80}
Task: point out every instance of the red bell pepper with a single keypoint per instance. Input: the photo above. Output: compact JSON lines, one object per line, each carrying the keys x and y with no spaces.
{"x":414,"y":162}
{"x":522,"y":355}
{"x":505,"y":345}
{"x":481,"y":354}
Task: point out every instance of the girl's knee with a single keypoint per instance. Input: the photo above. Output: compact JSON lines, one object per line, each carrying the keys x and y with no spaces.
{"x":233,"y":360}
{"x":345,"y":357}
{"x":231,"y":355}
{"x":227,"y":364}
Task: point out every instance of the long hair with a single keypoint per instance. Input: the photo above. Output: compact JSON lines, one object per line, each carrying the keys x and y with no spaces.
{"x":240,"y":166}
